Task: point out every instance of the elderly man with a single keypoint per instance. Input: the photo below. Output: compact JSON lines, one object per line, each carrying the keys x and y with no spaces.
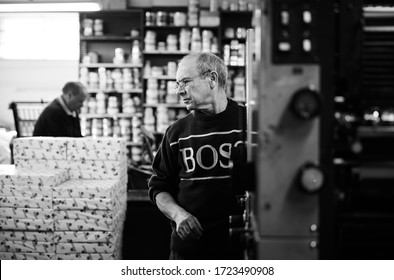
{"x":191,"y":184}
{"x":60,"y":117}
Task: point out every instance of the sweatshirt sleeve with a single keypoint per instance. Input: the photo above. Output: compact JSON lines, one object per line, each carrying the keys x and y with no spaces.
{"x":165,"y":171}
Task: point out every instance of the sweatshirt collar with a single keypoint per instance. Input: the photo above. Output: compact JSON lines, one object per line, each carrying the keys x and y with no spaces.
{"x":65,"y":107}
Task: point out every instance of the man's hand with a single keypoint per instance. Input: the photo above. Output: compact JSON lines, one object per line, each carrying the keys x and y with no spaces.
{"x":187,"y":226}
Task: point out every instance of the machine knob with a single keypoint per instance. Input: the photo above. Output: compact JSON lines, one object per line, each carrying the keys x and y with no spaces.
{"x":310,"y":178}
{"x":306,"y":103}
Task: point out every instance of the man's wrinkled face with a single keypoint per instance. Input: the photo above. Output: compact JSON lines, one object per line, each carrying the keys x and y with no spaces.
{"x":75,"y":102}
{"x":192,"y":86}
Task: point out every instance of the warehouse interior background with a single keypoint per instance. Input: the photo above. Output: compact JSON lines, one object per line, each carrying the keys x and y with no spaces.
{"x":318,"y":79}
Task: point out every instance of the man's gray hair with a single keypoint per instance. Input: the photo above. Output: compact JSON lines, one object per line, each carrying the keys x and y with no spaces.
{"x":74,"y":87}
{"x":209,"y":62}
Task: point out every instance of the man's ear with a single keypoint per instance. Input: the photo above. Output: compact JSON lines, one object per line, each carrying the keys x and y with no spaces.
{"x":213,"y":79}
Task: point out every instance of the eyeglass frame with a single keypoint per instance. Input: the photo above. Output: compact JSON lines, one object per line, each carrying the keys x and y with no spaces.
{"x":179,"y":85}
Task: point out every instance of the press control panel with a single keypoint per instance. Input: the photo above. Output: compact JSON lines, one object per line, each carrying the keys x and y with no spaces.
{"x":294,"y":31}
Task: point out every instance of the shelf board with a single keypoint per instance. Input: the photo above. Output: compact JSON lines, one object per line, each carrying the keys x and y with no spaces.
{"x":236,"y":12}
{"x":136,"y":90}
{"x":375,"y":131}
{"x":179,"y":27}
{"x":236,"y":66}
{"x":227,"y":39}
{"x":111,"y":65}
{"x":167,"y":52}
{"x":117,"y":116}
{"x":160,"y":77}
{"x":109,"y":38}
{"x":165,"y":105}
{"x":133,"y":144}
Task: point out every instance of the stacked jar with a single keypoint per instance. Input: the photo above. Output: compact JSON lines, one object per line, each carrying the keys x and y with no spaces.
{"x":100,"y":103}
{"x":149,"y":119}
{"x":152,"y":93}
{"x":113,"y":108}
{"x":193,"y":13}
{"x":125,"y":128}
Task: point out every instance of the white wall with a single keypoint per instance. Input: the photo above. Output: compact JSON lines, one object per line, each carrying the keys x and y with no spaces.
{"x":32,"y":80}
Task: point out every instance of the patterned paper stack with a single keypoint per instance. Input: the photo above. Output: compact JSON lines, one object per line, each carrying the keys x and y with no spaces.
{"x":26,"y":212}
{"x":90,"y":208}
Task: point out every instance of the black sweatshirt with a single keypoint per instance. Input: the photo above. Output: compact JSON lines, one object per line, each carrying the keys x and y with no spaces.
{"x":193,"y":165}
{"x":54,"y":121}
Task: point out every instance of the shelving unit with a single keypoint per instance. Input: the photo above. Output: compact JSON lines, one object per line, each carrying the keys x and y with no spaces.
{"x":111,"y":68}
{"x":159,"y":34}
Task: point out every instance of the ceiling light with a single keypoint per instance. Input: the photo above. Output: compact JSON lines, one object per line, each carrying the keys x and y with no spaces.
{"x":51,"y":7}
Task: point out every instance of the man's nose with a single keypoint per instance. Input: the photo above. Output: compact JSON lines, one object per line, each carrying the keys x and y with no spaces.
{"x":181,"y":91}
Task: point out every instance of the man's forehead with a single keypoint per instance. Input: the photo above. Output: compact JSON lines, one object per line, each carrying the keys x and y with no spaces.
{"x":186,"y":69}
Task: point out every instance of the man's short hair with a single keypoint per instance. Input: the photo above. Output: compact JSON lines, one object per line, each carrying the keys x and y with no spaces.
{"x":209,"y":62}
{"x":73,"y":87}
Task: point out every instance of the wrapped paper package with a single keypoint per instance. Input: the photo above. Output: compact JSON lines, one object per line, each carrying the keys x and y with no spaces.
{"x":40,"y":143}
{"x":88,"y":189}
{"x":26,"y":202}
{"x":26,"y":213}
{"x":27,"y":247}
{"x":84,"y":203}
{"x":86,"y":257}
{"x":26,"y":191}
{"x":42,"y":236}
{"x":84,"y":214}
{"x":11,"y":176}
{"x":89,"y":225}
{"x":26,"y":224}
{"x":84,"y":236}
{"x":99,"y":247}
{"x":26,"y":256}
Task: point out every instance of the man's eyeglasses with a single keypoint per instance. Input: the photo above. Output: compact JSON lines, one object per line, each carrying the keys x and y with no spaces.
{"x":187,"y":81}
